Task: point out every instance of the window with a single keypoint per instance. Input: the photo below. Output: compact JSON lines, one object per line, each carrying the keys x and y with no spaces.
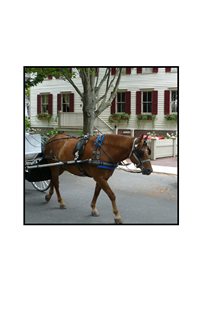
{"x":121,"y":99}
{"x":171,"y":69}
{"x":147,"y":70}
{"x":144,"y":70}
{"x":147,"y":102}
{"x":65,"y":102}
{"x":121,"y":103}
{"x":44,"y":103}
{"x":173,"y":103}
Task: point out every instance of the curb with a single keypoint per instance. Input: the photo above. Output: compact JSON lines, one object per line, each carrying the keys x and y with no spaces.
{"x":156,"y":169}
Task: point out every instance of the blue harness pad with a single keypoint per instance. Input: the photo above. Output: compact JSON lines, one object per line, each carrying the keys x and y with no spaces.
{"x":101,"y":142}
{"x":109,"y":168}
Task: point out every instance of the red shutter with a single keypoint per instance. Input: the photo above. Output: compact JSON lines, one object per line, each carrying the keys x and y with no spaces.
{"x":59,"y":97}
{"x":49,"y":77}
{"x":128,"y":70}
{"x":128,"y":102}
{"x":138,"y":102}
{"x":70,"y":70}
{"x":96,"y":72}
{"x":38,"y":104}
{"x":167,"y":102}
{"x":71,"y":102}
{"x":154,"y":102}
{"x":139,"y":70}
{"x":113,"y":71}
{"x":155,"y":69}
{"x":113,"y":106}
{"x":50,"y":104}
{"x":168,"y":69}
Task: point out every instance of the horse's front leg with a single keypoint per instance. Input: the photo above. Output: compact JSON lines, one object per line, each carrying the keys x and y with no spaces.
{"x":105,"y":186}
{"x":51,"y":191}
{"x":94,"y":211}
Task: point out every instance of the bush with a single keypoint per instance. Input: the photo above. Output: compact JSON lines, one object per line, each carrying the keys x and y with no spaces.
{"x":27,"y":124}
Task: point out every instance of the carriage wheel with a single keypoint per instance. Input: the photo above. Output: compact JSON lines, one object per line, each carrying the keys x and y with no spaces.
{"x":41,"y":185}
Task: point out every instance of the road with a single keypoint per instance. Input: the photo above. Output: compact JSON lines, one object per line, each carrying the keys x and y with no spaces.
{"x":140,"y":200}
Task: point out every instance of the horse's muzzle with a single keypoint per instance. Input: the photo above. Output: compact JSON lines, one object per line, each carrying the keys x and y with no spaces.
{"x":146,"y":171}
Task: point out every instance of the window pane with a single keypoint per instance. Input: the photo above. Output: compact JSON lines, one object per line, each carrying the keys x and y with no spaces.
{"x":43,"y":99}
{"x":145,"y":107}
{"x":147,"y":69}
{"x":123,"y":96}
{"x":118,"y":96}
{"x":149,"y":96}
{"x":144,"y":96}
{"x":123,"y":107}
{"x":149,"y":107}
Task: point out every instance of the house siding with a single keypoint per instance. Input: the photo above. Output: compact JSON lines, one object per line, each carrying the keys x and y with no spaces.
{"x":133,"y":82}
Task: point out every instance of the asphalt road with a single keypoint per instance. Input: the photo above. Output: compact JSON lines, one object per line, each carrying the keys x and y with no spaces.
{"x":140,"y":200}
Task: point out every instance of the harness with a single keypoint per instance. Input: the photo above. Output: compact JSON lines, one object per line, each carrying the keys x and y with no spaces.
{"x":110,"y":165}
{"x":95,"y":161}
{"x":139,"y":153}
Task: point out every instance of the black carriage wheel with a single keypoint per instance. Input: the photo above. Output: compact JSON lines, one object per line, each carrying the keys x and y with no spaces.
{"x":41,"y":185}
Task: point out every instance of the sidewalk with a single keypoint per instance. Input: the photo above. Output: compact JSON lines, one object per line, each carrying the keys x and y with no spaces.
{"x":163,"y":165}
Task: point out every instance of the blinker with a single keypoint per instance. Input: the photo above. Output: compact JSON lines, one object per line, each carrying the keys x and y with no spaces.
{"x":140,"y":153}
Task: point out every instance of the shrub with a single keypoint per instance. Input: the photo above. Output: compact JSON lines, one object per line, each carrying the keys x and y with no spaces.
{"x":27,"y":124}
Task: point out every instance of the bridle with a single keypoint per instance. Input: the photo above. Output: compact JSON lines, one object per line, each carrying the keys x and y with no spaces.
{"x":134,"y":148}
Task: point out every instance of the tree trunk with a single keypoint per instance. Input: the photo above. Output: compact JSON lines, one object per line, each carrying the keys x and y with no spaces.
{"x":89,"y":108}
{"x":88,"y":122}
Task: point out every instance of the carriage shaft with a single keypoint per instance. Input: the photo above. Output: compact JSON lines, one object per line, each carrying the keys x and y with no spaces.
{"x":56,"y":164}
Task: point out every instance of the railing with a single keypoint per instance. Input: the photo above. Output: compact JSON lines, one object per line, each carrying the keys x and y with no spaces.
{"x":70,"y":119}
{"x":105,"y":123}
{"x":163,"y":148}
{"x":74,"y":119}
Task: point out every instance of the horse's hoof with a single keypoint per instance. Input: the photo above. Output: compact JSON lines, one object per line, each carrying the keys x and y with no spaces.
{"x":47,"y":197}
{"x":118,"y":221}
{"x":95,"y":213}
{"x":63,"y":206}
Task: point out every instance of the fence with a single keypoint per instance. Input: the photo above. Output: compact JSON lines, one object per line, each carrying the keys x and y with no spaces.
{"x":163,"y":148}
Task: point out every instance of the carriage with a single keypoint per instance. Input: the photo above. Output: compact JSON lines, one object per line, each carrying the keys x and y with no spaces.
{"x":34,"y":144}
{"x":93,"y":156}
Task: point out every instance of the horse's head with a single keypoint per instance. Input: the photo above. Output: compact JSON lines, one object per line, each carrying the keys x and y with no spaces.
{"x":140,"y":153}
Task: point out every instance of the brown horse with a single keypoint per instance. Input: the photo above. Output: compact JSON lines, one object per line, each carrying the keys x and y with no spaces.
{"x":114,"y":148}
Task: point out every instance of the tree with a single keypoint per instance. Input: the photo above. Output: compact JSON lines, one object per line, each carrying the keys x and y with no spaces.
{"x":92,"y":84}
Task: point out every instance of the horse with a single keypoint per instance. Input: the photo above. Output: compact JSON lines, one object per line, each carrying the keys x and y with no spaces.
{"x":103,"y":154}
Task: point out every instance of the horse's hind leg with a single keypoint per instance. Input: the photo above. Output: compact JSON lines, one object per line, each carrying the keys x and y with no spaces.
{"x":55,"y":184}
{"x":105,"y":186}
{"x":94,"y":211}
{"x":61,"y":202}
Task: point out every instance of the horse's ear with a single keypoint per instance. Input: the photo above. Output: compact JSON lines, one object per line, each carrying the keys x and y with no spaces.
{"x":145,"y":138}
{"x":140,"y":139}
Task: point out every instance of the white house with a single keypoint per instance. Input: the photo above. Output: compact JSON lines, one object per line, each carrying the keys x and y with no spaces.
{"x":142,"y":91}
